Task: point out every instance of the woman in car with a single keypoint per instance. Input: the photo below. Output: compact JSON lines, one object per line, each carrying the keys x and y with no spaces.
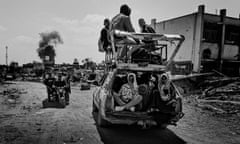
{"x":163,"y":97}
{"x":128,"y":97}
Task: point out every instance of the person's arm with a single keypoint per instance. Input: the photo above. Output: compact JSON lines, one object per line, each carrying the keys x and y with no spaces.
{"x":104,"y":35}
{"x":128,"y":25}
{"x":137,"y":99}
{"x":118,"y":99}
{"x":150,"y":29}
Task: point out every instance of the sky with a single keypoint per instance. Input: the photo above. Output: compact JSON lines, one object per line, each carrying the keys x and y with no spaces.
{"x":79,"y":23}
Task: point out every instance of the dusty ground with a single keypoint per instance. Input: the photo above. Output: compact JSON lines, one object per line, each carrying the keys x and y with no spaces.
{"x":23,"y":121}
{"x":26,"y":121}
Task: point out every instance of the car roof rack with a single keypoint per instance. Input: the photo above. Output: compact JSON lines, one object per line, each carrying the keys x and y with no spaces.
{"x":172,"y":38}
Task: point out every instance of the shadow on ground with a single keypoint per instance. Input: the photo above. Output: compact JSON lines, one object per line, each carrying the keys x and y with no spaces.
{"x":124,"y":134}
{"x":46,"y":104}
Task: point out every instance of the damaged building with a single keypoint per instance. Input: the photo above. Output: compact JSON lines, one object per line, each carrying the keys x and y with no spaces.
{"x":212,"y":41}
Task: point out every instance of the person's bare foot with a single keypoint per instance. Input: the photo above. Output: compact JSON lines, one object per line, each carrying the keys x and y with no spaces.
{"x":132,"y":109}
{"x":119,"y":108}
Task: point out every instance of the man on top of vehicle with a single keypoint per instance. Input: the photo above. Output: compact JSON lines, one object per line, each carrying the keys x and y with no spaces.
{"x":122,"y":22}
{"x":105,"y":39}
{"x":144,"y":27}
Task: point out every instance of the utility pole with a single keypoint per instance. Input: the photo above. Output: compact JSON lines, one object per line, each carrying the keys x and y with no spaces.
{"x":222,"y":41}
{"x":7,"y":55}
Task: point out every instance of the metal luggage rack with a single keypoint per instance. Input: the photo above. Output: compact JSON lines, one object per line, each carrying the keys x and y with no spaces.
{"x":147,"y":53}
{"x":157,"y":48}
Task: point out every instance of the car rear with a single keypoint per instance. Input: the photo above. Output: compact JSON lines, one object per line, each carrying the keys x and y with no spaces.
{"x":105,"y":104}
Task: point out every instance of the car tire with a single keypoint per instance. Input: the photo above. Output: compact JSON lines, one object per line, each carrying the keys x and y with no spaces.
{"x":162,"y":126}
{"x":62,"y":102}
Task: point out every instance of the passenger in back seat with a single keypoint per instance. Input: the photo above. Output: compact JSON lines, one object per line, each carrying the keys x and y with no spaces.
{"x":128,"y":98}
{"x":163,"y":96}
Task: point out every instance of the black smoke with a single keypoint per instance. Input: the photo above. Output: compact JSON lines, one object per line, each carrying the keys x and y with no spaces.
{"x":47,"y":44}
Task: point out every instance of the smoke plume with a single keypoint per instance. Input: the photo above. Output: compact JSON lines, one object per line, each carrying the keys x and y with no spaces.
{"x":47,"y":43}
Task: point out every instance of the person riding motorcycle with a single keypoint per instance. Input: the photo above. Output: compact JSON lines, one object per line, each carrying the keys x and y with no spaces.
{"x":68,"y":88}
{"x":60,"y":83}
{"x":49,"y":82}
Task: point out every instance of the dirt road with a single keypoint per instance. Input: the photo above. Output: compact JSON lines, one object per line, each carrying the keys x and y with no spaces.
{"x":24,"y":121}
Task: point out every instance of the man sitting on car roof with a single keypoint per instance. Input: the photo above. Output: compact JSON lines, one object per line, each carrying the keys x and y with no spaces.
{"x":122,"y":22}
{"x":141,"y":52}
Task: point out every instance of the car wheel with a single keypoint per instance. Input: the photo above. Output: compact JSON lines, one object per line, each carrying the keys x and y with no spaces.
{"x":162,"y":126}
{"x":62,"y":102}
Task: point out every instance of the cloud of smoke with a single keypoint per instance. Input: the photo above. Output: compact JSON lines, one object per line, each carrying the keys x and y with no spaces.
{"x":48,"y":42}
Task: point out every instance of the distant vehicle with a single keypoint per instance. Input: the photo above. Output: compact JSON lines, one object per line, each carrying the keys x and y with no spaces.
{"x":10,"y":76}
{"x":61,"y":94}
{"x":91,"y":78}
{"x":57,"y":98}
{"x":103,"y":100}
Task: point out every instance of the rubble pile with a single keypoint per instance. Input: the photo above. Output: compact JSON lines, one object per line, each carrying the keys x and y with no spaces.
{"x":221,"y":95}
{"x":12,"y":95}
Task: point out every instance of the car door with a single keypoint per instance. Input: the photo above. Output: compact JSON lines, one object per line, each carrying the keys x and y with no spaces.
{"x":97,"y":91}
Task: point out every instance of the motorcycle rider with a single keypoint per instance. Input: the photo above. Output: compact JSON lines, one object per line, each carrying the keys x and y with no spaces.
{"x":49,"y":82}
{"x":60,"y":82}
{"x":68,"y":88}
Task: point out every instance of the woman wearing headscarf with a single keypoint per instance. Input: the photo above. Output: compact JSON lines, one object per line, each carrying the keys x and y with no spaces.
{"x":128,"y":97}
{"x":163,"y":95}
{"x":164,"y":87}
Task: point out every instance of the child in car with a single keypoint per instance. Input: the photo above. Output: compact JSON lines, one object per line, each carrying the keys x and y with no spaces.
{"x":128,"y":97}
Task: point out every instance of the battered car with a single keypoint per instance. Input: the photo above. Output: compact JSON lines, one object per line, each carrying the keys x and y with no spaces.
{"x":147,"y":60}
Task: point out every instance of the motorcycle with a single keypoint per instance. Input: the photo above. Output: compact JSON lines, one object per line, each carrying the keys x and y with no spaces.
{"x":60,"y":96}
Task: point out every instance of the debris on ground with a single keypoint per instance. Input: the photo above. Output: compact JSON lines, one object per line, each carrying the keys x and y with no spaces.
{"x":13,"y":91}
{"x":9,"y":133}
{"x":217,"y":92}
{"x":221,"y":95}
{"x":12,"y":95}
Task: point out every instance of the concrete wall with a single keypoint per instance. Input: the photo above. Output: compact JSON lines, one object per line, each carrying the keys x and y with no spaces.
{"x":184,"y":26}
{"x":191,"y":26}
{"x":213,"y":47}
{"x":230,"y":52}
